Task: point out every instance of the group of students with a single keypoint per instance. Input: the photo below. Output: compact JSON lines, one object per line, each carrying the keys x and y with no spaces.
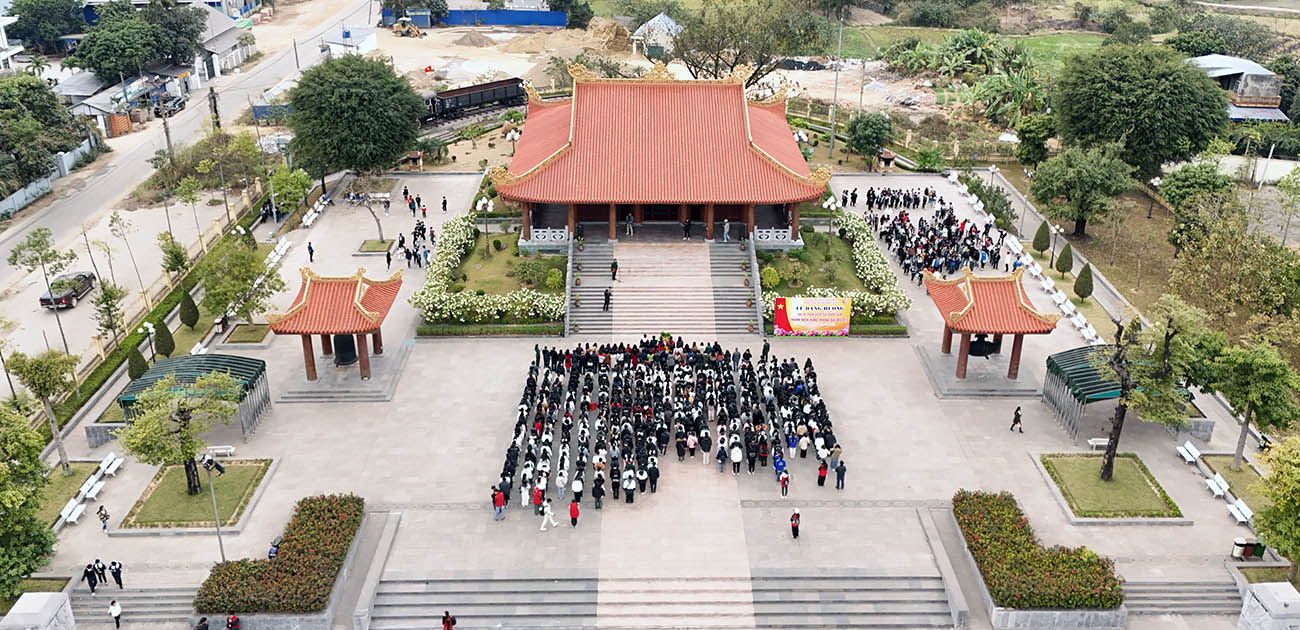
{"x":616,"y":409}
{"x":891,"y":198}
{"x":417,"y":252}
{"x":942,"y":243}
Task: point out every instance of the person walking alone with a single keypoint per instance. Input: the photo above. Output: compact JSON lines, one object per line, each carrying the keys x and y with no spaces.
{"x":498,"y":504}
{"x":444,"y":203}
{"x":794,"y":524}
{"x":573,"y":513}
{"x":1015,"y":421}
{"x":628,"y":221}
{"x":548,"y":515}
{"x":613,"y":269}
{"x":726,"y":230}
{"x":785,"y":483}
{"x":609,"y":295}
{"x":448,"y":621}
{"x":686,"y":230}
{"x":102,"y":513}
{"x":311,"y":253}
{"x":839,"y":476}
{"x":115,"y":611}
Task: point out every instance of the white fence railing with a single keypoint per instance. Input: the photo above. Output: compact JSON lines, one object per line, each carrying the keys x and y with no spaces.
{"x":772,"y":234}
{"x":550,"y":235}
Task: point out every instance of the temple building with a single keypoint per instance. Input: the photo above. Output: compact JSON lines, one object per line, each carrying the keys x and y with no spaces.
{"x":662,"y":149}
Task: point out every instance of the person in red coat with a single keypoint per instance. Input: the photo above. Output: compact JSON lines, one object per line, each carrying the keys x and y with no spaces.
{"x":573,"y":513}
{"x":537,"y":499}
{"x":821,"y":473}
{"x":794,"y":523}
{"x":498,"y":504}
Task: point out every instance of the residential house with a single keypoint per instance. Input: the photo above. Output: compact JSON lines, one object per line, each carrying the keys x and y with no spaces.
{"x":222,"y":51}
{"x":1256,"y":92}
{"x":8,"y":48}
{"x":351,"y":40}
{"x":654,"y":39}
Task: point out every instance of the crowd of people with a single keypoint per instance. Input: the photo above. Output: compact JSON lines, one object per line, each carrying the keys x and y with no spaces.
{"x":607,"y":415}
{"x":939,"y":242}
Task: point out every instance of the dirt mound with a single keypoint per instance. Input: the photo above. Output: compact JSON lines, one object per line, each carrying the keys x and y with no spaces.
{"x":611,"y":36}
{"x":548,"y":42}
{"x":475,"y":39}
{"x":866,"y":17}
{"x":421,"y":80}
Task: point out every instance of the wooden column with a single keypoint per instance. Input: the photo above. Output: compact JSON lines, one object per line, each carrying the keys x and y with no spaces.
{"x":327,"y":344}
{"x":308,"y":357}
{"x":526,"y":233}
{"x":1013,"y":370}
{"x":613,"y":222}
{"x":962,"y":355}
{"x":378,"y":337}
{"x":682,"y":213}
{"x":750,"y":228}
{"x":708,"y":222}
{"x":997,"y":344}
{"x":946,"y":347}
{"x":638,"y":214}
{"x":794,"y":221}
{"x":573,"y":220}
{"x":363,"y":355}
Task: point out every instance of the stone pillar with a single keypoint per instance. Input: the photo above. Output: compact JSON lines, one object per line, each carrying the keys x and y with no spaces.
{"x":573,"y":220}
{"x":1013,"y":370}
{"x":963,"y":355}
{"x":794,"y":221}
{"x":363,"y":355}
{"x":378,"y":337}
{"x":327,"y":344}
{"x":526,"y":233}
{"x":708,"y":222}
{"x":308,"y":357}
{"x":946,"y":347}
{"x":40,"y":611}
{"x":638,"y":214}
{"x":997,"y":344}
{"x":613,"y":222}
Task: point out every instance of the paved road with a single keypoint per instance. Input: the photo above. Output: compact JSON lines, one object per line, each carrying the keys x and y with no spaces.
{"x":129,"y":167}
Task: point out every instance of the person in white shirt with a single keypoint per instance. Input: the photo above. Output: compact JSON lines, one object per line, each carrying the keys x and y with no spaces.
{"x":115,"y":611}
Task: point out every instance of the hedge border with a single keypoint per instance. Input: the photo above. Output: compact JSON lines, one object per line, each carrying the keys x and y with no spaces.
{"x":489,"y":330}
{"x":1172,"y":510}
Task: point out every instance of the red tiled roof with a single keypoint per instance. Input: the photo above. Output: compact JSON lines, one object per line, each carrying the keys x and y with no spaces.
{"x":334,"y":305}
{"x":995,"y":305}
{"x":657,"y":140}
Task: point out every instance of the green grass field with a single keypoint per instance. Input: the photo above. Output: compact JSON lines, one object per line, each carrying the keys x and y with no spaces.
{"x":1239,"y":480}
{"x":32,"y":585}
{"x":838,"y":272}
{"x":1049,"y":48}
{"x":1130,"y":492}
{"x":248,"y":333}
{"x":61,"y":488}
{"x":165,"y":504}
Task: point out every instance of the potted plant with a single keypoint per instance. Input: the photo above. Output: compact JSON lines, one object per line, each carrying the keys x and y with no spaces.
{"x":577,"y":280}
{"x":577,"y":302}
{"x":749,"y":301}
{"x":744,"y":266}
{"x":751,"y":326}
{"x":742,"y":243}
{"x":746,"y":279}
{"x":578,"y":264}
{"x":579,"y":243}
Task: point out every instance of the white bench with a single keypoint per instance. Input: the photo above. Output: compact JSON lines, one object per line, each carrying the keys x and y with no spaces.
{"x":112,"y":469}
{"x":108,"y":459}
{"x":1079,"y":321}
{"x":1090,"y":334}
{"x":94,"y":491}
{"x":1048,"y":284}
{"x":85,"y":487}
{"x":67,"y":509}
{"x":1059,"y":298}
{"x":1096,"y":443}
{"x":1241,"y":512}
{"x":198,"y":348}
{"x":1067,"y":308}
{"x":76,"y":514}
{"x":1189,"y":452}
{"x":1015,"y":246}
{"x":224,"y":450}
{"x":1216,"y":485}
{"x":1036,"y":270}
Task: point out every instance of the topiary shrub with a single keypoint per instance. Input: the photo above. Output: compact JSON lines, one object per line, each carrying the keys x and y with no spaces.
{"x":1042,"y":238}
{"x":531,"y":272}
{"x":554,"y":280}
{"x":189,"y":312}
{"x":163,"y":342}
{"x":1065,"y":260}
{"x":795,"y":272}
{"x":135,"y":365}
{"x":769,"y":278}
{"x":766,"y":257}
{"x":498,"y":245}
{"x":1083,"y":284}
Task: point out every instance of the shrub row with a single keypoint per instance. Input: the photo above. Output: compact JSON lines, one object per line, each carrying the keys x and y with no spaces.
{"x":1021,"y":573}
{"x":481,"y":330}
{"x":299,"y":580}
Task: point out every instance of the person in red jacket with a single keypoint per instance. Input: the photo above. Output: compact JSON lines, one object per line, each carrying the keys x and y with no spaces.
{"x":537,"y":499}
{"x":448,"y":622}
{"x":794,"y":523}
{"x":498,"y":504}
{"x":821,"y":473}
{"x":232,"y":622}
{"x":573,"y":513}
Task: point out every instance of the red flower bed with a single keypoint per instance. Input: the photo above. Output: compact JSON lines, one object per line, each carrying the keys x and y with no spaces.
{"x":300,"y":578}
{"x":1021,"y":573}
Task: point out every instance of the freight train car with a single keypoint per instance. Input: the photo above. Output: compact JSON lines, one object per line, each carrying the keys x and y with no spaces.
{"x":450,"y":104}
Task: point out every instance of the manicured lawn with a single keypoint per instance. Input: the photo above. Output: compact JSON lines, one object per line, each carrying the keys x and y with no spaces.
{"x":165,"y":504}
{"x":61,"y":488}
{"x":186,"y":337}
{"x":496,"y":274}
{"x":375,"y":245}
{"x":112,"y":414}
{"x":248,"y":333}
{"x":264,"y":249}
{"x":1053,"y":48}
{"x":1091,"y":309}
{"x":1131,"y":492}
{"x":1268,"y":574}
{"x":838,"y":272}
{"x":32,"y":585}
{"x":1239,"y":480}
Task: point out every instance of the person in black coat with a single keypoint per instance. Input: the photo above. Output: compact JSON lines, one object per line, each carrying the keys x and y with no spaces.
{"x":653,"y":473}
{"x":90,"y":578}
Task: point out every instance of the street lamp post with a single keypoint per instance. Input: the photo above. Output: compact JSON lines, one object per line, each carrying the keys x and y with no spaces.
{"x":216,"y":517}
{"x":147,"y":329}
{"x":1155,"y":187}
{"x":1056,"y":229}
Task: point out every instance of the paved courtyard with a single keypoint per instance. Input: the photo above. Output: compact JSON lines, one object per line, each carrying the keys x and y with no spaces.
{"x":433,"y":452}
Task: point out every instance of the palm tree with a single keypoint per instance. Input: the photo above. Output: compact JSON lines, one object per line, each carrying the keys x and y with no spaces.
{"x":471,"y":133}
{"x":39,"y":64}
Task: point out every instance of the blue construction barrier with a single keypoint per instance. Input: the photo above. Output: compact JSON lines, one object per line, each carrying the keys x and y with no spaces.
{"x":422,"y":18}
{"x":271,"y":112}
{"x":505,"y":18}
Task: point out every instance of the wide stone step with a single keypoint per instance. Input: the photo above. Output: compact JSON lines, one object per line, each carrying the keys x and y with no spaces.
{"x":1177,"y":596}
{"x":1185,"y":610}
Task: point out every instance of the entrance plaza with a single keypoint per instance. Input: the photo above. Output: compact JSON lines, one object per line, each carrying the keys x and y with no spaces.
{"x":433,"y":451}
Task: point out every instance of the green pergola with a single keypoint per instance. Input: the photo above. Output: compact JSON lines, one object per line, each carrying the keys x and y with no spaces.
{"x":251,"y":373}
{"x":1073,"y":382}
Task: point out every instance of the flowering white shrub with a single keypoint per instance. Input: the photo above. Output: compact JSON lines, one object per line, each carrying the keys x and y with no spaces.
{"x":870,"y":265}
{"x":439,"y":304}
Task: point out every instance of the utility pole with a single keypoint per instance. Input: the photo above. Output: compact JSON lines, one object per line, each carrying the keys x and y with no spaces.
{"x":839,"y":48}
{"x":862,"y":84}
{"x":296,"y":65}
{"x":212,"y":107}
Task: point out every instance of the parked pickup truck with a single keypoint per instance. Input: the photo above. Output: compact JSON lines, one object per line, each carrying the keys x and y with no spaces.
{"x":67,"y":289}
{"x":168,"y":106}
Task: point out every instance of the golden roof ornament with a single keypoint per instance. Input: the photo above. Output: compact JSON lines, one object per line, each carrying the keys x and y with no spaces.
{"x":533,"y":95}
{"x":739,"y":74}
{"x":658,"y":73}
{"x":580,"y":72}
{"x":500,"y":175}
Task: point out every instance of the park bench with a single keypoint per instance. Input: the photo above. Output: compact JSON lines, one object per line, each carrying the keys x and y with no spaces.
{"x":1241,"y":512}
{"x":107,"y":461}
{"x":94,"y":491}
{"x":112,"y":468}
{"x":1079,"y":321}
{"x":1059,"y":298}
{"x":67,"y":509}
{"x":198,"y":348}
{"x":1036,"y":270}
{"x":1090,"y":334}
{"x":1067,"y":308}
{"x":224,"y":450}
{"x":1189,"y":452}
{"x":1015,"y":246}
{"x":1049,"y":285}
{"x":1217,"y":485}
{"x":76,"y":514}
{"x":85,"y":487}
{"x":1098,"y":443}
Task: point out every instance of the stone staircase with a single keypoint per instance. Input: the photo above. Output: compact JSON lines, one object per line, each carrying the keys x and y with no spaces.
{"x":783,"y":599}
{"x":1182,"y":597}
{"x":687,"y":288}
{"x":155,"y":604}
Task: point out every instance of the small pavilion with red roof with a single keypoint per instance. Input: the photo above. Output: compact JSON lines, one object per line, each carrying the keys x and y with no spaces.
{"x":659,"y":148}
{"x":347,"y":305}
{"x":983,"y":306}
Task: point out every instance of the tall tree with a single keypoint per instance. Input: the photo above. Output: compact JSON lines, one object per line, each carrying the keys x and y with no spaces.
{"x":579,"y":11}
{"x":175,"y":258}
{"x":1151,"y":366}
{"x":1261,"y":388}
{"x":1034,"y":131}
{"x":120,"y":227}
{"x":118,"y":48}
{"x":1278,"y":523}
{"x":42,"y":22}
{"x":47,"y":375}
{"x":1145,"y":97}
{"x":184,"y":31}
{"x":189,"y":311}
{"x":37,"y":251}
{"x":27,"y":541}
{"x":1080,"y":184}
{"x":108,"y":316}
{"x":722,"y":35}
{"x":34,"y":126}
{"x":1042,"y":238}
{"x":1083,"y":283}
{"x":170,"y":418}
{"x":352,"y":113}
{"x":1190,"y":181}
{"x":868,"y":133}
{"x":229,"y":275}
{"x":290,"y":187}
{"x":1208,"y":33}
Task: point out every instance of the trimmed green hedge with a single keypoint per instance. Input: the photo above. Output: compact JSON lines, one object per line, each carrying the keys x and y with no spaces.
{"x":487,"y":330}
{"x":300,"y":579}
{"x":1021,"y":573}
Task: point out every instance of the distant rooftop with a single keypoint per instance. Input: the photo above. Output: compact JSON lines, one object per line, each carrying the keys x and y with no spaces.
{"x":1222,"y":65}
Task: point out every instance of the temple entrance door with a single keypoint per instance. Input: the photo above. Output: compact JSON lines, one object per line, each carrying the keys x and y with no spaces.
{"x":655,"y":212}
